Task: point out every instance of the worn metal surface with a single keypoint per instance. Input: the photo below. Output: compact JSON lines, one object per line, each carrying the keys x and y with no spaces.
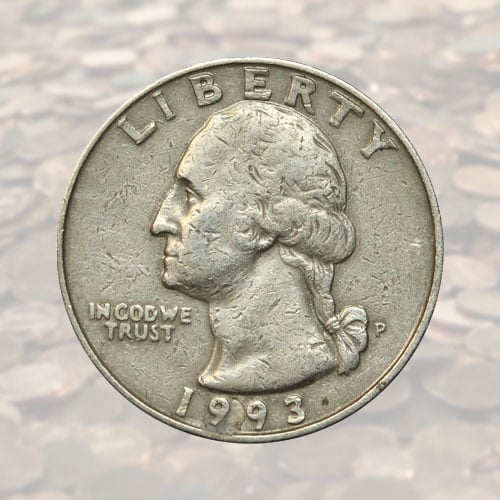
{"x":300,"y":256}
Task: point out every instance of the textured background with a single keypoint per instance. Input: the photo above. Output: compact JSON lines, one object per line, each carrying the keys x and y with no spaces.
{"x":433,"y":65}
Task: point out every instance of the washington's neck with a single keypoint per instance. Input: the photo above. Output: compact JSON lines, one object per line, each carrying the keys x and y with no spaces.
{"x":266,"y":334}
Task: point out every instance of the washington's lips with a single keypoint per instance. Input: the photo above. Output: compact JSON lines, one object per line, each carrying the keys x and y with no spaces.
{"x":168,"y":258}
{"x":170,"y":251}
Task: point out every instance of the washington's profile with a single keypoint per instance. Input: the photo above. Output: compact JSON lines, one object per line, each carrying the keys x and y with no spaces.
{"x":255,"y":224}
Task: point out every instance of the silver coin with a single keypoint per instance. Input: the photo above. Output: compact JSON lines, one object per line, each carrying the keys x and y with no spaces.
{"x":250,"y":250}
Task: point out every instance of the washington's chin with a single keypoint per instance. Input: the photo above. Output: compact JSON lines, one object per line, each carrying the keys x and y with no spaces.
{"x":170,"y":281}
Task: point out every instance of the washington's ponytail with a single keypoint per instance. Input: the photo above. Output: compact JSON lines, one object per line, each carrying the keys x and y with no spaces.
{"x":347,"y":328}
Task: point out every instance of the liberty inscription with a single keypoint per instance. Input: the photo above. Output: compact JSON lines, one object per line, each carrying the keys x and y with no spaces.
{"x":207,"y":91}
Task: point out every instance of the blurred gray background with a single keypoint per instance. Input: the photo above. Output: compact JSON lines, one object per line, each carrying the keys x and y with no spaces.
{"x":65,"y":66}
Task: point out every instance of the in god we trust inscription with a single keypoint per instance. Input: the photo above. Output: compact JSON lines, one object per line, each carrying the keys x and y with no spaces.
{"x":250,"y":250}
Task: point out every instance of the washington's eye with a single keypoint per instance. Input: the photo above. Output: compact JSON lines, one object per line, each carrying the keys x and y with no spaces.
{"x":191,"y":197}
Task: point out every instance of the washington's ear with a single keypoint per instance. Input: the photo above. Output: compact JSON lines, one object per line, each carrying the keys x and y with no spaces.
{"x":251,"y":231}
{"x":254,"y":238}
{"x":263,"y":240}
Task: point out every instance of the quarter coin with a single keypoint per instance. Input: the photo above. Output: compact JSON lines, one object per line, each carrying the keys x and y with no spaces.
{"x":250,"y":250}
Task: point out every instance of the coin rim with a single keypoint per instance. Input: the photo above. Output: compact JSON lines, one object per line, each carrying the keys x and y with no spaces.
{"x":392,"y":371}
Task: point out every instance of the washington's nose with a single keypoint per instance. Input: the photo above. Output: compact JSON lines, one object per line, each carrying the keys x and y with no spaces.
{"x":164,"y":221}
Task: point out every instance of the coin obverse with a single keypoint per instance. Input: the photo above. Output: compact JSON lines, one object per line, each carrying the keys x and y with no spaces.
{"x":250,"y":250}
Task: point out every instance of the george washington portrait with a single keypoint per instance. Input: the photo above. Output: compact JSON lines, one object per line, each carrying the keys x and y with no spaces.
{"x":254,"y":225}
